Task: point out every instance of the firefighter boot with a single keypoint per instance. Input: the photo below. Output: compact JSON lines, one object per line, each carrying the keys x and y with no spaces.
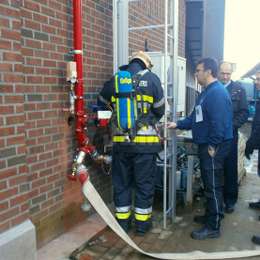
{"x":125,"y":224}
{"x":142,"y":227}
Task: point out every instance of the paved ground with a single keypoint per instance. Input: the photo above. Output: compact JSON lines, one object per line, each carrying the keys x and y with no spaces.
{"x":237,"y":230}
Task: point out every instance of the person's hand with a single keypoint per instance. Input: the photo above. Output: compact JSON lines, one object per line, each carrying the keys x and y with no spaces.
{"x":211,"y":150}
{"x":249,"y":149}
{"x":171,"y":125}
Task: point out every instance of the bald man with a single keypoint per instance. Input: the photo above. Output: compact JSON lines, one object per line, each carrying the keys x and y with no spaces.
{"x":240,"y":115}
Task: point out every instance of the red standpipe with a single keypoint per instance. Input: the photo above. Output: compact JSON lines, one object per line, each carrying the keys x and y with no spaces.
{"x":80,"y":116}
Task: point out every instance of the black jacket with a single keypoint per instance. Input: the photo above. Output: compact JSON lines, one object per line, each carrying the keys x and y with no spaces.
{"x":254,"y":138}
{"x":239,"y":103}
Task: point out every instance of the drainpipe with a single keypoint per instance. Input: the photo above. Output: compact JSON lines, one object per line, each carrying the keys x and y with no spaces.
{"x":77,"y":93}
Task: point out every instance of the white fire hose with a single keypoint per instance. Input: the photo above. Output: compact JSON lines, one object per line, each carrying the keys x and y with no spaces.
{"x":96,"y":201}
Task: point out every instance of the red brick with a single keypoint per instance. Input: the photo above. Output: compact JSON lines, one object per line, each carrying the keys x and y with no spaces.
{"x":3,"y":185}
{"x":15,"y":140}
{"x":21,"y":149}
{"x":4,"y":131}
{"x":9,"y":12}
{"x":10,"y":120}
{"x":46,"y":188}
{"x":8,"y":89}
{"x":34,"y":79}
{"x":40,"y":18}
{"x":35,"y":115}
{"x":18,"y":68}
{"x":4,"y":22}
{"x":27,"y":52}
{"x":23,"y":169}
{"x":6,"y":109}
{"x":12,"y":99}
{"x":9,"y":214}
{"x":33,"y":44}
{"x":20,"y":129}
{"x":38,"y":182}
{"x":18,"y":180}
{"x":6,"y":173}
{"x":31,"y":5}
{"x":19,"y":109}
{"x":47,"y":203}
{"x":13,"y":78}
{"x":3,"y":206}
{"x":6,"y":67}
{"x":19,"y":219}
{"x":9,"y":193}
{"x":11,"y":35}
{"x":16,"y":25}
{"x":5,"y":45}
{"x":25,"y":206}
{"x":18,"y":200}
{"x":11,"y":56}
{"x":33,"y":61}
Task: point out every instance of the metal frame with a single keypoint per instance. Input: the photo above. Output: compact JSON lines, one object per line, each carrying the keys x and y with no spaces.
{"x":120,"y":41}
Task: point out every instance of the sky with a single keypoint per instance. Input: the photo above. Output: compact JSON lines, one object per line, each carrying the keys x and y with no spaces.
{"x":242,"y":34}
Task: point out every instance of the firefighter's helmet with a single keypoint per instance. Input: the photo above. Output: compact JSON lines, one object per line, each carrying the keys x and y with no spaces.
{"x":144,"y":57}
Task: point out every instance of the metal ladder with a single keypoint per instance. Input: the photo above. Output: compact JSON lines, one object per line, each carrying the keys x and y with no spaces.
{"x":170,"y":79}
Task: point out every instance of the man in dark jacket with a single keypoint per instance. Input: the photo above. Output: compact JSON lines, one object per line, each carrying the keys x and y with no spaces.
{"x":134,"y":154}
{"x":240,"y":114}
{"x":254,"y":141}
{"x":211,"y":124}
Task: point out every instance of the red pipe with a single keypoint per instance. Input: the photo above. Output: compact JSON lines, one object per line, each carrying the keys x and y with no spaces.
{"x":81,"y":116}
{"x":79,"y":170}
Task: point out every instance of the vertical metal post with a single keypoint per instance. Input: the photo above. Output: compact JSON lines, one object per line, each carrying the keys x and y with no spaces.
{"x":122,"y":35}
{"x":165,"y":81}
{"x":174,"y":43}
{"x":115,"y":33}
{"x":174,"y":62}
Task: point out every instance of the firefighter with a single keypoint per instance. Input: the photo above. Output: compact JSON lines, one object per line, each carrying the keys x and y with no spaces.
{"x":211,"y":124}
{"x":240,"y":114}
{"x":134,"y":149}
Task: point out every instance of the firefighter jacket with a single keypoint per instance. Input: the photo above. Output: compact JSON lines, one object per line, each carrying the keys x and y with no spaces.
{"x":150,"y":108}
{"x":239,"y":103}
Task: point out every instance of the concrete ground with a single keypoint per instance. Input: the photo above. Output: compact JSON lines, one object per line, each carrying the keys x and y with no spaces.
{"x":237,"y":230}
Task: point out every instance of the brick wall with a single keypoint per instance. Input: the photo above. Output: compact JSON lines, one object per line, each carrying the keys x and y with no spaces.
{"x":36,"y":143}
{"x":151,"y":12}
{"x":14,"y":188}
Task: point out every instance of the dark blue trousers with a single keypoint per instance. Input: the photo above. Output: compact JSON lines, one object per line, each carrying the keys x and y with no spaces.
{"x":231,"y":173}
{"x":212,"y":173}
{"x":132,"y":172}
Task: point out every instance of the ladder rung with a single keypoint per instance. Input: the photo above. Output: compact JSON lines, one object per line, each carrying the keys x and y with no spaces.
{"x":149,"y":27}
{"x":162,"y":164}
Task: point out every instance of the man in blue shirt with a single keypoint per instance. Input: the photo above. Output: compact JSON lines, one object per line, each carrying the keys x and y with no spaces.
{"x":211,"y":125}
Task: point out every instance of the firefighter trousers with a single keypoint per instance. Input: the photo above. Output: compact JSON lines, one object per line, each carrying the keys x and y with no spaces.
{"x":134,"y":173}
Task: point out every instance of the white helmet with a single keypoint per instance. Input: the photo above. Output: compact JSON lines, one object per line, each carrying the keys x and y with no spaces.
{"x":144,"y":57}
